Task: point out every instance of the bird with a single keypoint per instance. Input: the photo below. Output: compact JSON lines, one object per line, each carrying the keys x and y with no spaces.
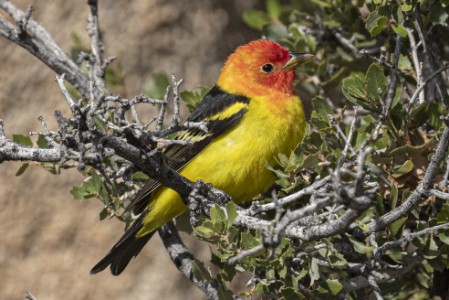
{"x":253,"y":114}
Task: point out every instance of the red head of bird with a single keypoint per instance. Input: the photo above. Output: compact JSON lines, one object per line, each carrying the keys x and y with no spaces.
{"x":259,"y":67}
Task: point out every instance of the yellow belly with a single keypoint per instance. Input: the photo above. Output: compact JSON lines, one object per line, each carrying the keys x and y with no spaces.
{"x":236,"y":161}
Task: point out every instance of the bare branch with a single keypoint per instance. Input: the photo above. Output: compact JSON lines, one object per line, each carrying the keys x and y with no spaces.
{"x":407,"y":238}
{"x":93,"y":29}
{"x":428,"y":53}
{"x":40,"y":43}
{"x":160,"y":119}
{"x":256,"y":209}
{"x":176,"y":112}
{"x":361,"y":281}
{"x":10,"y":151}
{"x":242,"y":255}
{"x":423,"y":85}
{"x":390,"y":91}
{"x":184,"y":260}
{"x":416,"y":63}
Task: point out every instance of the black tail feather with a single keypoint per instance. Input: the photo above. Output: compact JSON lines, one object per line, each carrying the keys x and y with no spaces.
{"x":124,"y":250}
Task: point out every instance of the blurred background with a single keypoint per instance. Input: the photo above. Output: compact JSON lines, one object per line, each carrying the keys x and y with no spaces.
{"x":49,"y":241}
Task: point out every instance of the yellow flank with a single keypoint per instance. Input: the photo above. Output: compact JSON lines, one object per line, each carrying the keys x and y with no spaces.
{"x":228,"y":112}
{"x":235,"y":162}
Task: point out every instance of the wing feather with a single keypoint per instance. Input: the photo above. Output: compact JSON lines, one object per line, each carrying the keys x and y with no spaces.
{"x":222,"y":111}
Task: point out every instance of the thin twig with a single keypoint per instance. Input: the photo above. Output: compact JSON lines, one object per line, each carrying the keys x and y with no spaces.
{"x":348,"y":146}
{"x":390,"y":93}
{"x":416,"y":63}
{"x":176,"y":110}
{"x":423,"y":85}
{"x":342,"y":134}
{"x":160,"y":119}
{"x":408,"y":238}
{"x":432,"y":64}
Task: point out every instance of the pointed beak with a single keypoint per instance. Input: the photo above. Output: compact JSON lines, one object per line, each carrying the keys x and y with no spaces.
{"x":297,"y":59}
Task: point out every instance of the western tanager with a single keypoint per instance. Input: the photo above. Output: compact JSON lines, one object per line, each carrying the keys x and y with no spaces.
{"x":253,"y":114}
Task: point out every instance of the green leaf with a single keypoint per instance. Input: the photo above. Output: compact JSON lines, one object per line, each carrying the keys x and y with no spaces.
{"x":393,"y":196}
{"x":443,"y":215}
{"x":400,"y":30}
{"x":22,"y":169}
{"x":224,"y":293}
{"x":42,"y":142}
{"x":411,"y":150}
{"x":183,"y":223}
{"x":192,"y":98}
{"x":432,"y":249}
{"x":403,"y":169}
{"x":334,"y":286}
{"x":200,"y":271}
{"x":91,"y":187}
{"x":78,"y":192}
{"x":427,"y":113}
{"x":217,"y":215}
{"x":310,"y":161}
{"x":438,"y":13}
{"x":404,"y":63}
{"x":360,"y":247}
{"x":100,"y":123}
{"x":354,"y":89}
{"x":337,"y":260}
{"x":139,"y":176}
{"x":22,"y":140}
{"x":53,"y":168}
{"x":405,"y":7}
{"x":375,"y":23}
{"x":274,"y":9}
{"x":302,"y":273}
{"x":97,"y":181}
{"x":205,"y":231}
{"x":103,"y":214}
{"x":248,"y":241}
{"x":233,"y":234}
{"x":231,"y":211}
{"x":314,"y":271}
{"x":376,"y":84}
{"x":444,"y":236}
{"x":270,"y":274}
{"x":321,"y":109}
{"x":396,"y":226}
{"x":256,"y":19}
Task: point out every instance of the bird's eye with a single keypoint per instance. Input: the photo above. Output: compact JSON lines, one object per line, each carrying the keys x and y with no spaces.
{"x":267,"y":68}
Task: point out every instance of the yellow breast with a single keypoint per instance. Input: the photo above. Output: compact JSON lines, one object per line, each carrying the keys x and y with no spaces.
{"x":236,"y":162}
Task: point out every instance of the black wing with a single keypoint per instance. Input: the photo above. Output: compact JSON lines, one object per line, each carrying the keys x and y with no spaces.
{"x":215,"y":101}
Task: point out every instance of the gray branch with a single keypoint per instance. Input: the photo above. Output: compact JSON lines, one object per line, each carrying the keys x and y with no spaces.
{"x":183,"y":260}
{"x":421,"y":192}
{"x":39,"y":42}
